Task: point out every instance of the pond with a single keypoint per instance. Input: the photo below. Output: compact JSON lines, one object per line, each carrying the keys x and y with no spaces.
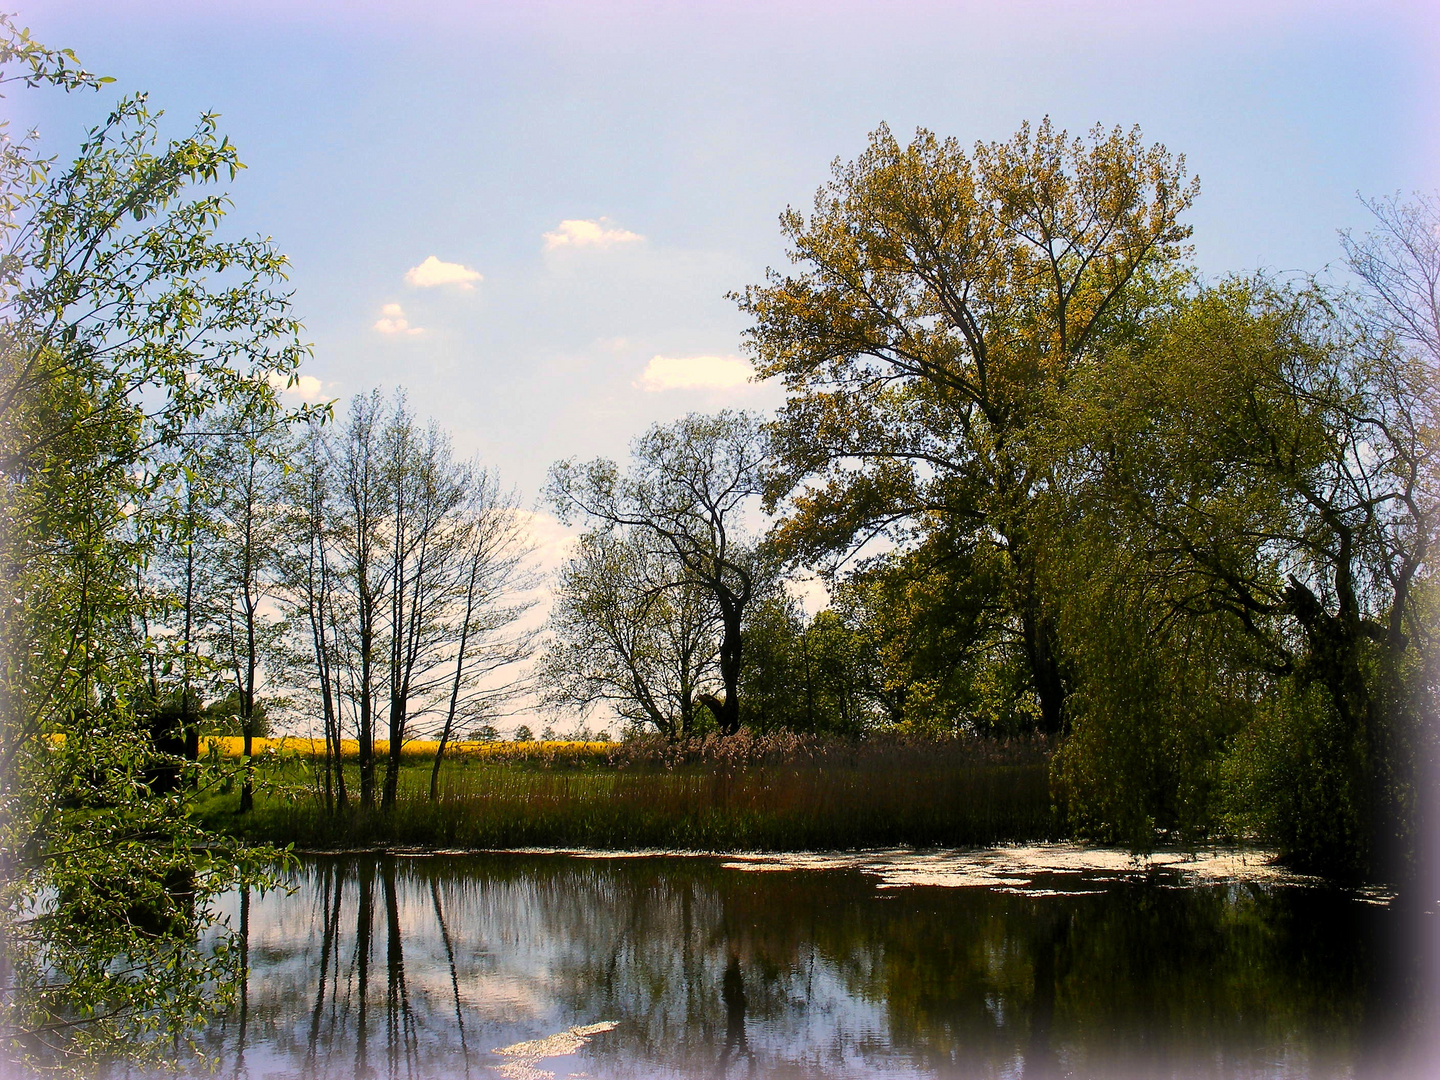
{"x":1040,"y":962}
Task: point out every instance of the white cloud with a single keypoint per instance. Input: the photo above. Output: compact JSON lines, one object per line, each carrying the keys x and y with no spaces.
{"x":393,"y":321}
{"x":432,"y":273}
{"x":581,"y":233}
{"x":692,"y":372}
{"x":306,"y":388}
{"x":554,"y":542}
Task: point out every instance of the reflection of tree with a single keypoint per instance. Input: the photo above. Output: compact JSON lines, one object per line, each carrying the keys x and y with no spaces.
{"x":399,"y":1030}
{"x":244,"y":1020}
{"x":330,"y":914}
{"x":454,"y":975}
{"x":364,"y":914}
{"x":707,"y":968}
{"x":732,"y":992}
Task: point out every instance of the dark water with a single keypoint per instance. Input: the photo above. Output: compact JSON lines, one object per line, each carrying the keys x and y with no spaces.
{"x":392,"y":966}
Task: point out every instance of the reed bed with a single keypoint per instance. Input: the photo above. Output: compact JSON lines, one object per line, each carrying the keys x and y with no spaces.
{"x":744,"y":793}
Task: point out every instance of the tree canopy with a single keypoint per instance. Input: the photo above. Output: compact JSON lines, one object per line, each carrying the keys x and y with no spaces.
{"x":944,"y":301}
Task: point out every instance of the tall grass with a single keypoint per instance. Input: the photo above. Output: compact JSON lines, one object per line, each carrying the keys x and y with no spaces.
{"x":743,"y":793}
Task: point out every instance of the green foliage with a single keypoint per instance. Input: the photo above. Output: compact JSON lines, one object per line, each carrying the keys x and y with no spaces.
{"x":1189,"y":525}
{"x":1156,"y":701}
{"x":127,"y":321}
{"x":945,"y":659}
{"x":1256,"y":483}
{"x":942,"y":305}
{"x":223,"y":717}
{"x":804,"y":676}
{"x":1300,"y":778}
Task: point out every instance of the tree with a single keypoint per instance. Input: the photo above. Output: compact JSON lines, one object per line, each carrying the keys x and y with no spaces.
{"x":307,"y":576}
{"x":946,"y":301}
{"x":426,"y":492}
{"x":127,"y":323}
{"x":488,"y":573}
{"x":243,"y":566}
{"x":359,"y":520}
{"x":408,"y":584}
{"x":1275,"y":462}
{"x":684,"y":502}
{"x":811,"y":675}
{"x":626,"y":630}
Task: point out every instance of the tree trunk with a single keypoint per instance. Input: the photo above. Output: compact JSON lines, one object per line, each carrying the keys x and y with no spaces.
{"x":459,"y":672}
{"x":727,"y":711}
{"x":1039,"y":635}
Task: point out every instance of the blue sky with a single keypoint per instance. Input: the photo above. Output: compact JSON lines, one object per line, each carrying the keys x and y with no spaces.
{"x":670,"y":136}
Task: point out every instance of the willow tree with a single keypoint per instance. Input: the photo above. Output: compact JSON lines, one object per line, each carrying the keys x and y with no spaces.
{"x":943,"y":301}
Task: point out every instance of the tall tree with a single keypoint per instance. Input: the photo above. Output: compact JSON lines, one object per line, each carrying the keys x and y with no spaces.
{"x":486,"y":599}
{"x":427,"y":494}
{"x":684,"y":500}
{"x":363,"y":508}
{"x":410,"y":583}
{"x":945,"y":301}
{"x":127,"y":321}
{"x":309,"y":588}
{"x":243,"y":563}
{"x":1276,"y":463}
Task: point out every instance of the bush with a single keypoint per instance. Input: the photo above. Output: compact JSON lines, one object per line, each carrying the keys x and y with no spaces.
{"x":1296,"y":778}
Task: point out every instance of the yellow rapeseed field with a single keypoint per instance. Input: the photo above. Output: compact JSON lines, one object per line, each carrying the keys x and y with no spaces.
{"x":413,"y":750}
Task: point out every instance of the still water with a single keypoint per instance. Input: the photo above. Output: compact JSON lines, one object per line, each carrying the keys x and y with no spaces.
{"x":1047,"y":962}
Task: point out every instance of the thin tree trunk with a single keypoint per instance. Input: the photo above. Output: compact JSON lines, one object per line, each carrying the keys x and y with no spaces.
{"x":459,"y":672}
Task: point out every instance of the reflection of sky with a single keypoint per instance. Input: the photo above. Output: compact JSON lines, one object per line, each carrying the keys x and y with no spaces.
{"x":528,"y":957}
{"x":846,"y":971}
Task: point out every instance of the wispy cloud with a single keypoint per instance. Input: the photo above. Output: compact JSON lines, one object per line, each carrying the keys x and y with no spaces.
{"x":432,"y":273}
{"x":393,"y":321}
{"x":694,"y":372}
{"x":306,"y":388}
{"x":574,"y":232}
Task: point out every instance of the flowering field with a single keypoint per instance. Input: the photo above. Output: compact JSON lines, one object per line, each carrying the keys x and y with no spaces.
{"x":416,"y":750}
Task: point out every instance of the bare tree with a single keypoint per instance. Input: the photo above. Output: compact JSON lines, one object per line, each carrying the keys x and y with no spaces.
{"x":405,"y":579}
{"x":309,"y":581}
{"x":1399,"y":266}
{"x":427,"y":493}
{"x":362,"y":511}
{"x":491,"y":577}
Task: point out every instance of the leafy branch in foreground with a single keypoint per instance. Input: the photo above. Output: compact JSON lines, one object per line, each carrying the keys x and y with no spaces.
{"x":126,"y":324}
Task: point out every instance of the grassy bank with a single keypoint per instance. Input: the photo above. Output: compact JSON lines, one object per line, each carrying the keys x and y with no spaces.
{"x":780,"y":793}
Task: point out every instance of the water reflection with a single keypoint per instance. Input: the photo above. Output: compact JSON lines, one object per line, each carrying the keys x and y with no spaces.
{"x":686,"y":967}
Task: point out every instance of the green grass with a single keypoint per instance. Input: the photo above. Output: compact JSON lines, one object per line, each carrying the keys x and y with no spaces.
{"x":800,"y":795}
